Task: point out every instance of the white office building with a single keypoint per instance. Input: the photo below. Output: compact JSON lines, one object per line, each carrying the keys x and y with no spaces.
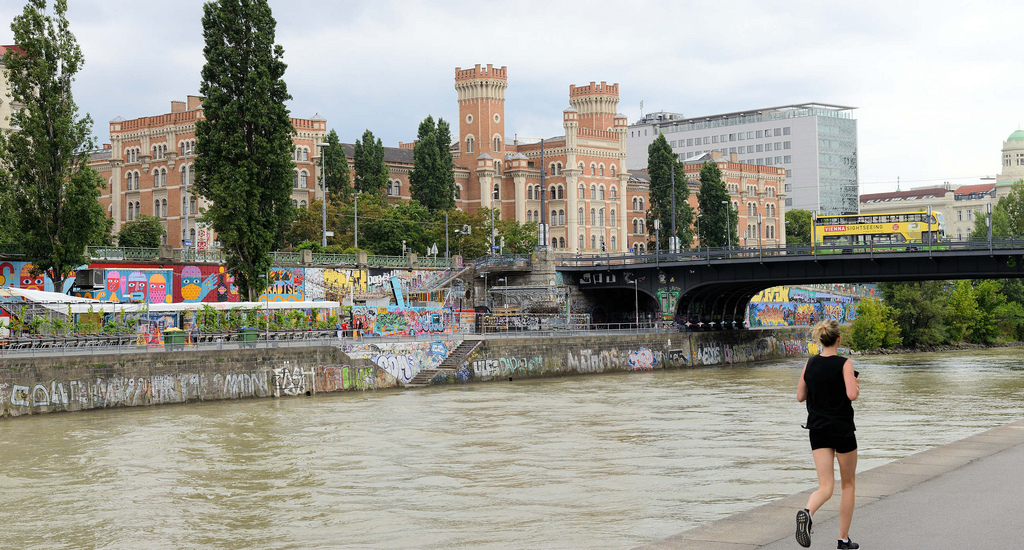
{"x":816,"y":143}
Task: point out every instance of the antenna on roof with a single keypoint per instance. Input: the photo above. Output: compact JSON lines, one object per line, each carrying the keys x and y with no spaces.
{"x":897,"y":184}
{"x":641,"y":108}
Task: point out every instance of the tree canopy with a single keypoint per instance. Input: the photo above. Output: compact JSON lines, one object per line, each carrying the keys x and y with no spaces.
{"x":718,"y":220}
{"x":798,"y":226}
{"x":335,"y":169}
{"x":244,"y":144}
{"x":51,"y":194}
{"x":660,"y":164}
{"x":368,"y":160}
{"x":142,"y":232}
{"x":432,"y":181}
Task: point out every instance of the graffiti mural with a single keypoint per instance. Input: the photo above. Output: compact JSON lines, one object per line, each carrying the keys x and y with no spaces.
{"x":394,"y":320}
{"x":343,"y":378}
{"x":19,"y":275}
{"x":204,"y":284}
{"x":287,"y":284}
{"x":642,"y":359}
{"x":508,"y":367}
{"x":667,"y":299}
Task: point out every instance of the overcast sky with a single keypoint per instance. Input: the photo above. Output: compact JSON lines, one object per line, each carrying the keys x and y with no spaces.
{"x":937,"y":85}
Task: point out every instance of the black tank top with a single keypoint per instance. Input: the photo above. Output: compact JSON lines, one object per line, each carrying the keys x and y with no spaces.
{"x":828,"y":408}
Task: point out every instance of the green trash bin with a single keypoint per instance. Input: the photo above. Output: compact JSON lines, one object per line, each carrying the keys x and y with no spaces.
{"x":174,"y":339}
{"x":247,"y":337}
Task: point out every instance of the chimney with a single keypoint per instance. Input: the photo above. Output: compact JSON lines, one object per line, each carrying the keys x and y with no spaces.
{"x":177,"y":107}
{"x":194,"y":102}
{"x":733,"y":157}
{"x":106,"y":146}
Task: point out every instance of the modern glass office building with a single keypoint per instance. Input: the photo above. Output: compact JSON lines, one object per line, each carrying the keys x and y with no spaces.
{"x":816,"y":143}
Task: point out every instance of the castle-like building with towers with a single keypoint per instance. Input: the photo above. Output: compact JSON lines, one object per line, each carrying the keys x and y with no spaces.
{"x":575,"y":183}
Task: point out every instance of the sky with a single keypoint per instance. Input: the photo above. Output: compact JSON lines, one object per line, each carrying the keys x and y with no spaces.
{"x":937,"y":86}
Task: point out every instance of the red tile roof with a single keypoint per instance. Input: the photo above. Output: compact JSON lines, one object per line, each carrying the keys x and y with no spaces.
{"x":979,"y":188}
{"x":905,"y":195}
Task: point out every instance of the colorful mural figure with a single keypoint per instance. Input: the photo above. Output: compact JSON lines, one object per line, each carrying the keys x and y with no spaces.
{"x":203,"y":284}
{"x":394,"y":320}
{"x":28,"y":281}
{"x":19,"y":275}
{"x":286,"y":285}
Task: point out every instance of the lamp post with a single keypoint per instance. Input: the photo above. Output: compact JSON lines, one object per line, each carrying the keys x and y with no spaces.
{"x":728,"y":223}
{"x":446,"y":234}
{"x":657,"y":240}
{"x":184,"y":183}
{"x":323,"y":186}
{"x":355,"y":220}
{"x":698,"y":232}
{"x":673,"y":243}
{"x":636,"y":300}
{"x":988,"y":222}
{"x":760,"y":249}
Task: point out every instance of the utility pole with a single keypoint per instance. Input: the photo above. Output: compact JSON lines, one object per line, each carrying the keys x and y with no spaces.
{"x":674,"y":241}
{"x":542,"y":230}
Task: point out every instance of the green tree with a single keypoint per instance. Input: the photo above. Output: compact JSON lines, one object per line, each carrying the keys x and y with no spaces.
{"x":244,"y":142}
{"x":44,"y":173}
{"x":919,"y":309}
{"x":1013,"y":205}
{"x":432,"y":181}
{"x":307,"y":225}
{"x":660,"y":164}
{"x":718,"y":221}
{"x":798,"y":226}
{"x":336,"y":170}
{"x":992,"y":307}
{"x":515,"y":237}
{"x":874,"y":327}
{"x":368,"y":160}
{"x":142,"y":232}
{"x":963,"y":311}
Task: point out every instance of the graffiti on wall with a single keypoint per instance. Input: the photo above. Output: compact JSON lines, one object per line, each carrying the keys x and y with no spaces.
{"x":19,"y":275}
{"x":117,"y":391}
{"x":642,"y":359}
{"x":667,"y":299}
{"x":507,"y":367}
{"x":783,"y":314}
{"x":345,"y":377}
{"x":394,"y":320}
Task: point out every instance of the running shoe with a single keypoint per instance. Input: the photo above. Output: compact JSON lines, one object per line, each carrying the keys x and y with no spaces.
{"x":848,"y":545}
{"x":803,"y":528}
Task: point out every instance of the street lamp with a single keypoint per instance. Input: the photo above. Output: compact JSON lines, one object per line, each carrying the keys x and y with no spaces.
{"x":674,"y":241}
{"x":355,"y":221}
{"x":698,"y":232}
{"x":323,"y":185}
{"x":988,"y":222}
{"x":728,"y":223}
{"x":760,"y":249}
{"x":636,"y":300}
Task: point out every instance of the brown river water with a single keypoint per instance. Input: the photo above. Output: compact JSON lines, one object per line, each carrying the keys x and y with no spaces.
{"x":602,"y":461}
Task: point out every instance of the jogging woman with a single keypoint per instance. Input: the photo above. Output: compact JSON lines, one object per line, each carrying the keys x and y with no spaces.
{"x":829,"y":386}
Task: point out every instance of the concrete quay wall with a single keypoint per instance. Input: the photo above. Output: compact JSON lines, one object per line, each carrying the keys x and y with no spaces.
{"x":44,"y":384}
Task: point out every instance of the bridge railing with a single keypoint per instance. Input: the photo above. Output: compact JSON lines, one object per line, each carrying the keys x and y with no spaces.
{"x":707,"y":254}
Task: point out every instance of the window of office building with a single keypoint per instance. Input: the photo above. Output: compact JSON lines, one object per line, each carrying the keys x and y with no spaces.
{"x":785,"y":131}
{"x":760,"y":134}
{"x":778,"y":132}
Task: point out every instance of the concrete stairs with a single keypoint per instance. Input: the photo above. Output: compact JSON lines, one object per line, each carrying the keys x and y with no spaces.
{"x":450,"y":364}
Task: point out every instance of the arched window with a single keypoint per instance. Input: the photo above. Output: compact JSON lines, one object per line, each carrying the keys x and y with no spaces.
{"x":559,"y":166}
{"x":612,"y":220}
{"x":529,"y":216}
{"x":580,"y":218}
{"x":552,"y":195}
{"x":600,"y":193}
{"x":497,"y":166}
{"x":579,"y":245}
{"x":634,"y":204}
{"x":552,"y":168}
{"x":561,"y":192}
{"x":581,"y":168}
{"x":156,"y":208}
{"x":163,"y":176}
{"x":614,"y":192}
{"x":529,"y":192}
{"x":613,"y":243}
{"x":497,"y":192}
{"x":305,"y":153}
{"x":192,"y":205}
{"x":641,"y":203}
{"x":553,"y":220}
{"x":600,"y":217}
{"x":295,"y":203}
{"x":469,"y":144}
{"x":302,"y":179}
{"x":398,"y":188}
{"x":131,"y":211}
{"x":561,"y":217}
{"x":581,"y":192}
{"x":613,"y":238}
{"x":600,"y":169}
{"x":163,"y":206}
{"x":536,"y":216}
{"x":593,"y":191}
{"x":593,"y":216}
{"x":458,"y":192}
{"x":554,"y":242}
{"x":497,"y":144}
{"x":561,"y":242}
{"x":295,"y":179}
{"x":593,"y":241}
{"x":138,"y":209}
{"x":128,"y":183}
{"x":302,"y":204}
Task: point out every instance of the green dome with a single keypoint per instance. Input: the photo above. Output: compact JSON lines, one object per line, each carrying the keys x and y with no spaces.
{"x":1016,"y":136}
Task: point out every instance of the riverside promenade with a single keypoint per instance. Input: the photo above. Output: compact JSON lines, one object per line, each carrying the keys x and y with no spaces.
{"x":962,"y":495}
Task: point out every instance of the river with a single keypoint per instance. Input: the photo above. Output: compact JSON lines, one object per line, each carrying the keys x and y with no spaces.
{"x":603,"y":461}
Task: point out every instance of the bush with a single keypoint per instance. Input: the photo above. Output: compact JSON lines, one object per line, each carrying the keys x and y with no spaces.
{"x":874,"y":327}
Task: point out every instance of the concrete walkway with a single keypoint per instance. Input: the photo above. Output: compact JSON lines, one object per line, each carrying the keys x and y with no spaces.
{"x":967,"y":494}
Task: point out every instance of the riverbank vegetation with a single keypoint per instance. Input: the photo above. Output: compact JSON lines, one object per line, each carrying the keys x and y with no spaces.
{"x":939,"y":313}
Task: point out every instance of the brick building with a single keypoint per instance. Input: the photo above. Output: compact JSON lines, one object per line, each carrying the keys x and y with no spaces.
{"x":150,"y":159}
{"x":586,"y":191}
{"x":6,"y":105}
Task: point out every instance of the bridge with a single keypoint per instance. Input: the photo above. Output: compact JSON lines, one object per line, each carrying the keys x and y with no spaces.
{"x":711,"y":287}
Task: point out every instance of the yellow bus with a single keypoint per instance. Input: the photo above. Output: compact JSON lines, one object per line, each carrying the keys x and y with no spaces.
{"x":891,"y":228}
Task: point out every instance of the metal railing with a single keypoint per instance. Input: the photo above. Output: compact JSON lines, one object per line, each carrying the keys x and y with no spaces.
{"x":706,"y":254}
{"x":278,"y":258}
{"x":115,"y":253}
{"x":387,"y":261}
{"x":334,"y":259}
{"x":428,"y":261}
{"x":506,"y":260}
{"x":209,"y":255}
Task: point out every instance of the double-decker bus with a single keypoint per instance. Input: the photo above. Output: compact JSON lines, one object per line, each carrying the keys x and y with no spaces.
{"x":891,"y":228}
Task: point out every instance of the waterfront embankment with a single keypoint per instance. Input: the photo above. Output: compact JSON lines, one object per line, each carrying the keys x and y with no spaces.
{"x":43,"y":384}
{"x":963,"y":494}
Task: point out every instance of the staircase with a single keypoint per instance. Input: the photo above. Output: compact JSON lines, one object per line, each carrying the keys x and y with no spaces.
{"x":452,"y":362}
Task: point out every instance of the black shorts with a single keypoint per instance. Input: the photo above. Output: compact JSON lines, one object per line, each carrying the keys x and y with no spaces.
{"x":841,"y":443}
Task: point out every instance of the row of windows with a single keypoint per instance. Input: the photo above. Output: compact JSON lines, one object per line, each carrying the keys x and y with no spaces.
{"x":1017,"y":159}
{"x":298,"y":204}
{"x":134,"y":209}
{"x":595,"y":169}
{"x":394,"y":189}
{"x":187,"y":147}
{"x":769,"y":210}
{"x":751,"y":233}
{"x":594,"y":242}
{"x":299,"y":179}
{"x":159,"y":151}
{"x":471,"y":143}
{"x":300,"y":153}
{"x":638,"y":203}
{"x":738,"y":136}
